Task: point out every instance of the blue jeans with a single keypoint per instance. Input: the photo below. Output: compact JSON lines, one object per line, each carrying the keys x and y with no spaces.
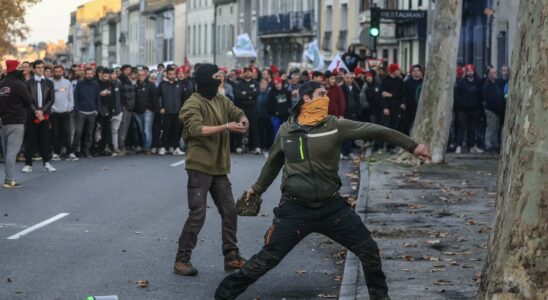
{"x":144,"y":121}
{"x":276,"y":123}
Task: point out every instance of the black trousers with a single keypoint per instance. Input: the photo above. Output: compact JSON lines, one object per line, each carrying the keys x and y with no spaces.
{"x":220,"y":188}
{"x":37,"y":139}
{"x":467,"y":121}
{"x":171,"y":130}
{"x":264,"y":134}
{"x":60,"y":124}
{"x":392,"y":121}
{"x":106,"y":132}
{"x":292,"y":223}
{"x":156,"y":130}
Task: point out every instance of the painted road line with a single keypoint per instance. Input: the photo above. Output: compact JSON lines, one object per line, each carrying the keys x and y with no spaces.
{"x":178,"y":163}
{"x":37,"y":226}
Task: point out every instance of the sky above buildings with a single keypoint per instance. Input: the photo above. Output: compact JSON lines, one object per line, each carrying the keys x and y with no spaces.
{"x":49,"y":20}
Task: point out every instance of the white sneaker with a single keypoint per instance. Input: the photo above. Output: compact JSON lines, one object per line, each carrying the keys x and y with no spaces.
{"x":458,"y":150}
{"x":153,"y":150}
{"x":55,"y":157}
{"x":475,"y":149}
{"x":258,"y":151}
{"x":72,"y":157}
{"x":162,"y":151}
{"x":178,"y":152}
{"x":49,"y":168}
{"x":138,"y":149}
{"x":27,"y":169}
{"x":239,"y":150}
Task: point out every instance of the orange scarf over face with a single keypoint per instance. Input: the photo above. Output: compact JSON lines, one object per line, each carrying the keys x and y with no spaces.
{"x":314,"y":112}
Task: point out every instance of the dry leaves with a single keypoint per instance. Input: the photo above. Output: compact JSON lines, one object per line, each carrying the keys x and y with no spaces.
{"x":409,"y":245}
{"x":471,"y":222}
{"x":436,"y":270}
{"x":433,"y":242}
{"x":327,"y":296}
{"x":431,"y":258}
{"x":338,"y":277}
{"x":300,"y":271}
{"x":441,"y":282}
{"x":142,"y":283}
{"x":407,"y":257}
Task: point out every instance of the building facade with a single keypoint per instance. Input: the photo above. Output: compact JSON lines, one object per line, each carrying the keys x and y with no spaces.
{"x":226,"y":26}
{"x":200,"y":31}
{"x":284,"y":29}
{"x":339,"y":27}
{"x":503,"y":31}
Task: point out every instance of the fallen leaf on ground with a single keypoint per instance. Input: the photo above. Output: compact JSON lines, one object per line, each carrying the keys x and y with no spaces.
{"x":407,"y":257}
{"x":300,"y":271}
{"x":408,"y":245}
{"x":105,"y":168}
{"x":405,"y":270}
{"x":439,"y":234}
{"x":460,"y":239}
{"x":142,"y":284}
{"x":436,"y":270}
{"x":433,"y":242}
{"x":471,"y":222}
{"x":477,"y":277}
{"x":482,"y":246}
{"x":338,"y":277}
{"x":431,"y":258}
{"x":327,"y":296}
{"x":441,"y":282}
{"x":492,"y":195}
{"x":483,"y":229}
{"x":450,"y":253}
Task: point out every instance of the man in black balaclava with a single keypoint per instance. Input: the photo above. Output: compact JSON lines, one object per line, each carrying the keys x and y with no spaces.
{"x":207,"y":118}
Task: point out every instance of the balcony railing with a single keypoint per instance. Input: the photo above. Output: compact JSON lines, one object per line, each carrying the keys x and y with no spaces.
{"x":292,"y":22}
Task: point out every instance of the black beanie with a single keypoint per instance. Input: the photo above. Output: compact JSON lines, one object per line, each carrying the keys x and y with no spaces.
{"x":206,"y":85}
{"x":307,"y":88}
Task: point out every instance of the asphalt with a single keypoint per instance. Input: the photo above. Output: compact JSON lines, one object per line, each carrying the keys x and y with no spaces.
{"x":125,"y":216}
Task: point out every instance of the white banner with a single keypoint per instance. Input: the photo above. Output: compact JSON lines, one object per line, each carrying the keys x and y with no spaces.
{"x":337,"y":64}
{"x":244,"y":47}
{"x":313,"y":54}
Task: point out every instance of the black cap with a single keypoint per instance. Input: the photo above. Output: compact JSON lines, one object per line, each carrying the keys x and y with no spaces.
{"x":307,"y":88}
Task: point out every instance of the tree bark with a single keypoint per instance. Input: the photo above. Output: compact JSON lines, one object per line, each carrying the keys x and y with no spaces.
{"x":435,"y":107}
{"x":517,"y":260}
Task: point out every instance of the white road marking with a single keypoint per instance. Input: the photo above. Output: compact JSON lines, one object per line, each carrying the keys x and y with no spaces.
{"x":38,"y":226}
{"x":178,"y":163}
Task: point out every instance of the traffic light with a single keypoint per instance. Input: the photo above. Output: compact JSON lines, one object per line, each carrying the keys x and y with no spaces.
{"x":374,"y":27}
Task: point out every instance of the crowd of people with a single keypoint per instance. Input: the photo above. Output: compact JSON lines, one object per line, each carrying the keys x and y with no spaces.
{"x":88,"y":110}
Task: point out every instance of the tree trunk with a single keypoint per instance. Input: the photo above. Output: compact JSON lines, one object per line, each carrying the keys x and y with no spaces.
{"x":517,"y":260}
{"x":435,"y":108}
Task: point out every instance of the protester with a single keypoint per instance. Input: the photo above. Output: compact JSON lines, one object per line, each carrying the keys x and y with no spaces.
{"x":310,"y":193}
{"x":372,"y":91}
{"x":337,"y":103}
{"x":61,"y":115}
{"x":393,"y":92}
{"x":127,"y":93}
{"x":37,"y":131}
{"x":468,"y":106}
{"x":413,"y":86}
{"x":15,"y":104}
{"x":351,"y":59}
{"x":264,"y":123}
{"x":293,"y":87}
{"x":104,"y":117}
{"x":352,"y":109}
{"x":278,"y":105}
{"x":494,"y":106}
{"x":246,"y":94}
{"x":86,"y":105}
{"x":208,"y":117}
{"x":146,"y":103}
{"x":171,"y":95}
{"x":116,"y":113}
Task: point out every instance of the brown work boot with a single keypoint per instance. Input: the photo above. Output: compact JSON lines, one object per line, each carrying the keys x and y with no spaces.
{"x":184,"y":268}
{"x":233,"y":261}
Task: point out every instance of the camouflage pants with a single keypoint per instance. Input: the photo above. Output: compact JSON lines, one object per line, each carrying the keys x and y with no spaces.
{"x":292,"y":223}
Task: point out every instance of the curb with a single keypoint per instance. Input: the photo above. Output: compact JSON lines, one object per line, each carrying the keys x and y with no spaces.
{"x":349,"y":284}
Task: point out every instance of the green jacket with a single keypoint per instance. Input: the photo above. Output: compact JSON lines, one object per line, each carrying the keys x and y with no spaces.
{"x":310,"y":157}
{"x":208,"y":154}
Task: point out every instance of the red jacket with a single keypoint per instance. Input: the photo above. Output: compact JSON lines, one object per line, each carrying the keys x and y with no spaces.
{"x":337,"y":104}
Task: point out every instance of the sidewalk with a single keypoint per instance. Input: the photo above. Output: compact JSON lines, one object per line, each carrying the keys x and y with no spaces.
{"x":431,"y":223}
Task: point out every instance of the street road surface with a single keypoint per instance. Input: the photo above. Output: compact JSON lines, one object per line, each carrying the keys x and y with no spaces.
{"x":98,"y":225}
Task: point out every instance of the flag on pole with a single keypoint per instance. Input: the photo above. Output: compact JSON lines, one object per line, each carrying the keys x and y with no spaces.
{"x":313,"y":54}
{"x":244,"y":47}
{"x":337,"y":64}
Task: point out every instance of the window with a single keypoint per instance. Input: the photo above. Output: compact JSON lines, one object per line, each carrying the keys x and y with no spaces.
{"x":206,"y":44}
{"x":220,"y":12}
{"x":365,"y":5}
{"x":212,"y":41}
{"x":385,"y":54}
{"x":344,"y":17}
{"x":329,"y":18}
{"x":232,"y":9}
{"x":410,"y":4}
{"x":326,"y":43}
{"x":199,"y":39}
{"x":341,"y":42}
{"x":194,"y":41}
{"x":395,"y":54}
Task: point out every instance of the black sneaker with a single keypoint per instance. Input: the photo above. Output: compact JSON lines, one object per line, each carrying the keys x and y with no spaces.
{"x":11,"y":184}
